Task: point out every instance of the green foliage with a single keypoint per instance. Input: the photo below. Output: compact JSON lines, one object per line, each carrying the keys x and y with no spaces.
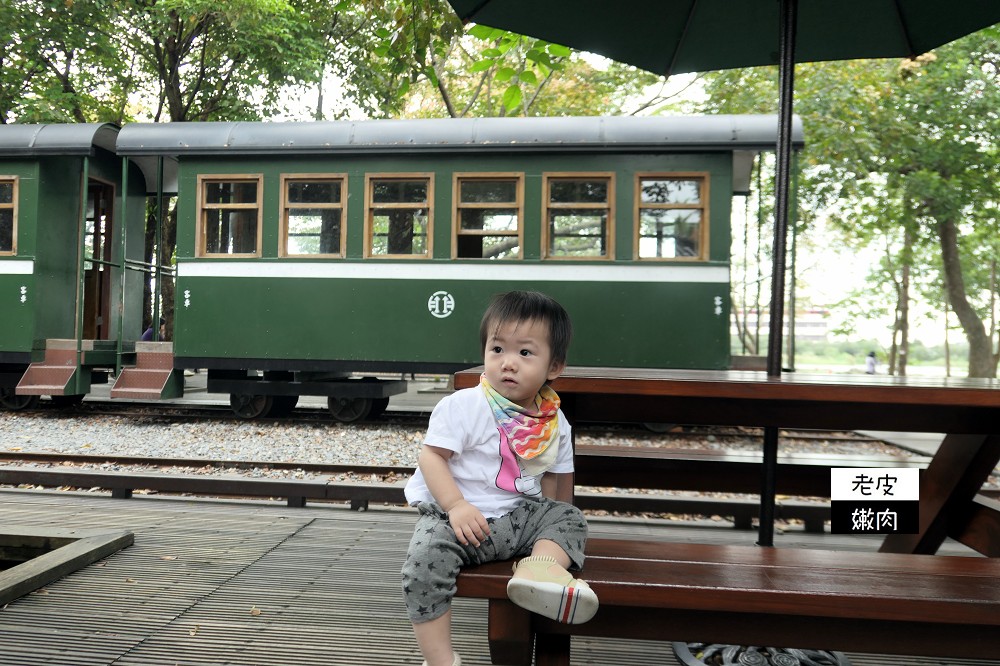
{"x":87,"y":60}
{"x":852,"y":353}
{"x":849,"y":353}
{"x":59,"y":64}
{"x":439,"y":69}
{"x":903,"y":155}
{"x":213,"y":61}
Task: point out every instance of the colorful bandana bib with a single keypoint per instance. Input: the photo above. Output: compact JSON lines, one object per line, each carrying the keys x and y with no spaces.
{"x":532,"y":434}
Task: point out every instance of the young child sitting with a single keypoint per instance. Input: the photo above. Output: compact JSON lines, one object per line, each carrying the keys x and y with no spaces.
{"x":495,"y":463}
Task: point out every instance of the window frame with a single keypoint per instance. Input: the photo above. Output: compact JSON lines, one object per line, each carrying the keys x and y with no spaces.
{"x":12,"y":206}
{"x":370,"y":207}
{"x":202,"y":228}
{"x":547,"y":178}
{"x":286,"y":207}
{"x":703,"y":206}
{"x":457,"y":206}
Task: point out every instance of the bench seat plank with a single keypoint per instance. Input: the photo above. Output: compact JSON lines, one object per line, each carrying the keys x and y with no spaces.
{"x":877,"y":602}
{"x":793,"y":400}
{"x":731,"y":471}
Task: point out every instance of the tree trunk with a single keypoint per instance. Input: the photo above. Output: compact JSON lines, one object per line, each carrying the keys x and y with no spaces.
{"x":169,"y":242}
{"x":894,"y":347}
{"x":147,"y":258}
{"x":981,"y":360}
{"x":904,"y":304}
{"x":993,"y":311}
{"x":947,"y":342}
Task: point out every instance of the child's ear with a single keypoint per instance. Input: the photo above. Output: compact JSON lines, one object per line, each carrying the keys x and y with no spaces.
{"x":555,"y":369}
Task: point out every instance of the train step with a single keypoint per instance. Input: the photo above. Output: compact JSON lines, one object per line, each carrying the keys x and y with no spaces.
{"x":152,"y":377}
{"x":51,"y":376}
{"x":62,"y":373}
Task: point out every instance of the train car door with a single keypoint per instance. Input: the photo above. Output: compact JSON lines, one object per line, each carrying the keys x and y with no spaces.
{"x":97,"y":269}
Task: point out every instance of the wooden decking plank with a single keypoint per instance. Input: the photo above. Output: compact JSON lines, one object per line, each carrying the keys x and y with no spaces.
{"x":325,"y":580}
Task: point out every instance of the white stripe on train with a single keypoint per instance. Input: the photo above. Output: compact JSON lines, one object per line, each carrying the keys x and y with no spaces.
{"x":437,"y":270}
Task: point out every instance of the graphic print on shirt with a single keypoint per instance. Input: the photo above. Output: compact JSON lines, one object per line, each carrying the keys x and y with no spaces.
{"x":509,"y":477}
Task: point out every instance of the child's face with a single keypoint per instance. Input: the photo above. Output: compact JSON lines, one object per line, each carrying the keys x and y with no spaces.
{"x":519,"y":361}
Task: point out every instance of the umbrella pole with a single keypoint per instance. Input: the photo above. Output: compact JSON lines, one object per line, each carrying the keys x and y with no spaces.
{"x":786,"y":87}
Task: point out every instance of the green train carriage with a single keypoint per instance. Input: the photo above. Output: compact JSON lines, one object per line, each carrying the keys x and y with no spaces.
{"x":61,"y":291}
{"x":310,"y":252}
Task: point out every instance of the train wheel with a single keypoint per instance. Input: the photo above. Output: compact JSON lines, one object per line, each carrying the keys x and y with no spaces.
{"x":378,"y":407}
{"x":283,"y":405}
{"x":66,"y":401}
{"x":248,"y":406}
{"x":378,"y":404}
{"x":14,"y":402}
{"x":349,"y":410}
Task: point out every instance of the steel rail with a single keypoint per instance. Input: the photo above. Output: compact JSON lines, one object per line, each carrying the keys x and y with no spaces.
{"x":313,"y":415}
{"x":608,"y":476}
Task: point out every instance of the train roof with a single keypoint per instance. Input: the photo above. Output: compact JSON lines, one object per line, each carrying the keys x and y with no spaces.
{"x":56,"y":139}
{"x":701,"y":133}
{"x":79,"y":139}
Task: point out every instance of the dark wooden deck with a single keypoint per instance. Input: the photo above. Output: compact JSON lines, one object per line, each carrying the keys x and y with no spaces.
{"x":324,"y":579}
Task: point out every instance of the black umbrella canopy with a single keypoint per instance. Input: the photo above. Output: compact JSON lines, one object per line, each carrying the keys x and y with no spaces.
{"x":677,"y":36}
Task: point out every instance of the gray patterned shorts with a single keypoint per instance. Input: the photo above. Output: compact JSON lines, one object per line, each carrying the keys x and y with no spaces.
{"x":435,"y":556}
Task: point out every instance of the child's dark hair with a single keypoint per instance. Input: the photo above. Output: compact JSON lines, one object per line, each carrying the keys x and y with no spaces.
{"x":529,"y":306}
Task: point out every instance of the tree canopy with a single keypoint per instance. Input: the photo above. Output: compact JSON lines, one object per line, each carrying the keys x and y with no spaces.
{"x":900,"y":154}
{"x":904,"y":154}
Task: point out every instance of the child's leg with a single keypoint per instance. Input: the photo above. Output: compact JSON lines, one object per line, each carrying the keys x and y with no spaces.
{"x":541,"y":583}
{"x":548,"y":548}
{"x":434,"y":639}
{"x":433,"y":561}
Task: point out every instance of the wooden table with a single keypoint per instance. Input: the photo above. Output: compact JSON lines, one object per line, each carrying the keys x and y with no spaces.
{"x":966,"y":410}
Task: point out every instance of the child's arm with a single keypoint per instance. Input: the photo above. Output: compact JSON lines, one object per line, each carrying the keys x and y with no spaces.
{"x":558,"y":486}
{"x":468,"y":522}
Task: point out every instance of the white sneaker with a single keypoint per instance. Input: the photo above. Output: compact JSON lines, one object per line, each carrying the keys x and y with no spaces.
{"x":551,"y":591}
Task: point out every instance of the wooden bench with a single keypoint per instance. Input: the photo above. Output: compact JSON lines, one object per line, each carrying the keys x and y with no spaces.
{"x":967,"y":410}
{"x":893,"y":601}
{"x":937,"y":606}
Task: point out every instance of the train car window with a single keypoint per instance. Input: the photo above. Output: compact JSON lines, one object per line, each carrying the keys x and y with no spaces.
{"x":671,"y":218}
{"x":313,"y":215}
{"x":578,"y":214}
{"x":8,"y":214}
{"x":489,"y":209}
{"x":230,"y":216}
{"x":398,"y":216}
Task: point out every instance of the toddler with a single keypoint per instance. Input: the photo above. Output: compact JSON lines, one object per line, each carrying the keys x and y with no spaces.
{"x":494,"y":479}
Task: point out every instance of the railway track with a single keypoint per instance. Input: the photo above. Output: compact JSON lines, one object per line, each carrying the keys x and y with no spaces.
{"x":360,"y":485}
{"x":166,"y":464}
{"x":717,"y":467}
{"x":658,"y":432}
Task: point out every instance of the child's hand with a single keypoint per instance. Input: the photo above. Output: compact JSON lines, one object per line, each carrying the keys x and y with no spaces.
{"x":469,"y":523}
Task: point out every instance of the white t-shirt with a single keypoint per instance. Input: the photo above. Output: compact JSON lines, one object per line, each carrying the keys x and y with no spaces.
{"x":489,"y":478}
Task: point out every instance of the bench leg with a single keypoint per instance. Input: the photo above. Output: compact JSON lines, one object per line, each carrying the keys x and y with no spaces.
{"x":950,"y":482}
{"x":552,"y":650}
{"x":511,"y":637}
